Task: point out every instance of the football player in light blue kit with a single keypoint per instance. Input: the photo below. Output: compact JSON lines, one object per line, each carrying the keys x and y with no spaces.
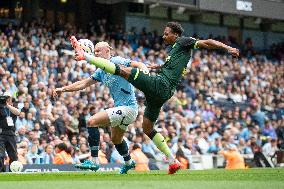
{"x":119,"y":117}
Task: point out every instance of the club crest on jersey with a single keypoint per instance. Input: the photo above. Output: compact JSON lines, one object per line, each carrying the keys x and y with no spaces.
{"x":168,"y":58}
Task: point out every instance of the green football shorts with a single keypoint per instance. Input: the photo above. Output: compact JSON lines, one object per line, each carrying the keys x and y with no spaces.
{"x":156,"y":89}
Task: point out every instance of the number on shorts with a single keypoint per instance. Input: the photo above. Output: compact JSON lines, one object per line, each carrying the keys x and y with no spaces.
{"x":119,"y":112}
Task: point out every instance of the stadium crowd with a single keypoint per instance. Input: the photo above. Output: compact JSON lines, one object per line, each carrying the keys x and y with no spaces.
{"x":221,"y":102}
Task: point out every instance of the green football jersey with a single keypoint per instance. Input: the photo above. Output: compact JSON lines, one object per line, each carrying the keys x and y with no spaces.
{"x":177,"y":60}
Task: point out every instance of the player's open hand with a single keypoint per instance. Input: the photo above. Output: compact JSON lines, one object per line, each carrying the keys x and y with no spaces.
{"x":233,"y":51}
{"x":57,"y":92}
{"x":154,"y":66}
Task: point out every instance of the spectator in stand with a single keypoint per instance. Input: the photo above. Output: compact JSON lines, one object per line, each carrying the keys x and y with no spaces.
{"x":140,"y":158}
{"x":21,"y":121}
{"x":259,"y":158}
{"x":233,"y":158}
{"x":30,"y":121}
{"x":22,"y":153}
{"x":115,"y":157}
{"x":268,"y":130}
{"x":48,"y":155}
{"x":104,"y":153}
{"x":270,"y":148}
{"x":51,"y":133}
{"x":62,"y":154}
{"x":84,"y":152}
{"x":32,"y":156}
{"x":21,"y":135}
{"x":149,"y":148}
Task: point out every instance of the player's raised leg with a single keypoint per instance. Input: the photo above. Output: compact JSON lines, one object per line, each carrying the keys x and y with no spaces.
{"x":102,"y":63}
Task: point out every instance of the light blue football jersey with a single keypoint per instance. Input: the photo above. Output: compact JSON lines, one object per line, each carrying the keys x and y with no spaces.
{"x":121,"y":90}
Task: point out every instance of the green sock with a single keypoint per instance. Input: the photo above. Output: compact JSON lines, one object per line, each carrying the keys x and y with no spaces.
{"x":161,"y":144}
{"x":102,"y":63}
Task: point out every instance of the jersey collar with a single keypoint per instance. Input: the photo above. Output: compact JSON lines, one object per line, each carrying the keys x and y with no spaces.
{"x":175,"y":43}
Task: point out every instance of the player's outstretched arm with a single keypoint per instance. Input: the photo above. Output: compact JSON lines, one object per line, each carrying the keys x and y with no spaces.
{"x":213,"y":44}
{"x":79,"y":85}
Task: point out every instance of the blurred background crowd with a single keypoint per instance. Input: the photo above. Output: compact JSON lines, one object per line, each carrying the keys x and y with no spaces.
{"x":222,"y":102}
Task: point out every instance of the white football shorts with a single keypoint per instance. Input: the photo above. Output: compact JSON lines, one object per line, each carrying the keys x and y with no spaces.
{"x":122,"y":116}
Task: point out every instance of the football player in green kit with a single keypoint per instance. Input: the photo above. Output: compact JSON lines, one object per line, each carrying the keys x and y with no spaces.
{"x":159,"y":88}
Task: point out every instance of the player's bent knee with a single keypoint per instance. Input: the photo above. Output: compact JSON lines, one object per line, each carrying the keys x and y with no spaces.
{"x":116,"y":140}
{"x":91,"y":122}
{"x":147,"y":131}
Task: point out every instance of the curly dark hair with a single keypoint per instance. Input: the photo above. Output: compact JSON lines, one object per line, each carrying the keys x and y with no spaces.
{"x":175,"y":27}
{"x":63,"y":147}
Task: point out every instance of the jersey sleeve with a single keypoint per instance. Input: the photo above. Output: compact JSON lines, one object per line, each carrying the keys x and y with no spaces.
{"x":120,"y":60}
{"x":188,"y":43}
{"x":97,"y":76}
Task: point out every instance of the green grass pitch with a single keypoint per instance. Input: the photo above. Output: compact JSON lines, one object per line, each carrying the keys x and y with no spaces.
{"x":208,"y":179}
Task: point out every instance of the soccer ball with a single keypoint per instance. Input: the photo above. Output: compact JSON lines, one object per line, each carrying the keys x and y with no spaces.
{"x":87,"y":46}
{"x":16,"y":167}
